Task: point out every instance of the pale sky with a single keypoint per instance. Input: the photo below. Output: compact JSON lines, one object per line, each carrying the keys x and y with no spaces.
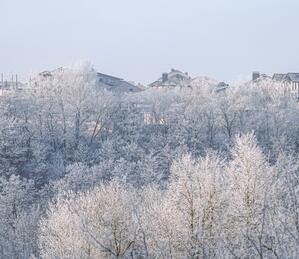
{"x":139,"y":39}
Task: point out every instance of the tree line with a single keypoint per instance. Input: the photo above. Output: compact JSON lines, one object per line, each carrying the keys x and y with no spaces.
{"x":84,"y":174}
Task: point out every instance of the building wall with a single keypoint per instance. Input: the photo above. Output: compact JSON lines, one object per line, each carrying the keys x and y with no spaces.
{"x":294,"y":90}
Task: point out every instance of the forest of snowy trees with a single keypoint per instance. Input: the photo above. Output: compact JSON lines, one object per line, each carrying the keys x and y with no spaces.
{"x":211,"y":175}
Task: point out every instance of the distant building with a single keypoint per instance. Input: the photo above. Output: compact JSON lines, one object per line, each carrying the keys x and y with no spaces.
{"x":258,"y":76}
{"x":172,"y":79}
{"x":255,"y":76}
{"x":45,"y":75}
{"x":278,"y":77}
{"x":115,"y":84}
{"x":222,"y":86}
{"x":290,"y":81}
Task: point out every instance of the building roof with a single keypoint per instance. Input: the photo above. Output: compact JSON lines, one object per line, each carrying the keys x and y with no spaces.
{"x":294,"y":77}
{"x":50,"y":73}
{"x":120,"y":87}
{"x":175,"y":72}
{"x":105,"y":75}
{"x":278,"y":76}
{"x":115,"y":84}
{"x":174,"y":77}
{"x":45,"y":73}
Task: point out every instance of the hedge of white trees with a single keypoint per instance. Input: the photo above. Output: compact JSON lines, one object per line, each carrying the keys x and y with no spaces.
{"x":211,"y":175}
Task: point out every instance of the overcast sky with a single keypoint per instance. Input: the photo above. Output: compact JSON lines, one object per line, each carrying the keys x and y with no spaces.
{"x":139,"y":39}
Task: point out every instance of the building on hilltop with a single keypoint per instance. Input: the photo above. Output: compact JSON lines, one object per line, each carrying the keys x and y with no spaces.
{"x":172,"y":79}
{"x":278,"y":77}
{"x":113,"y":84}
{"x":256,"y":76}
{"x":222,"y":86}
{"x":176,"y":78}
{"x":290,"y":82}
{"x":45,"y":75}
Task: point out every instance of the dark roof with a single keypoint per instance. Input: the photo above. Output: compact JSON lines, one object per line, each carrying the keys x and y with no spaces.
{"x":105,"y":75}
{"x":45,"y":73}
{"x":278,"y":76}
{"x":294,"y":77}
{"x":121,"y":87}
{"x":173,"y":78}
{"x":118,"y":85}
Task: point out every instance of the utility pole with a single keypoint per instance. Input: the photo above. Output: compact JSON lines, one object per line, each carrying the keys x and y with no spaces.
{"x":2,"y":82}
{"x":16,"y":80}
{"x":12,"y":82}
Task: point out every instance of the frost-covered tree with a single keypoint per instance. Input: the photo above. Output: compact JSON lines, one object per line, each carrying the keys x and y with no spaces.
{"x":197,"y":191}
{"x":250,"y":178}
{"x":285,"y":206}
{"x":185,"y":220}
{"x":96,"y":224}
{"x":19,"y":214}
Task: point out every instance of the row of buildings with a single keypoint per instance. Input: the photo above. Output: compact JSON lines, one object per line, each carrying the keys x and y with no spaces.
{"x":174,"y":78}
{"x":118,"y":85}
{"x":111,"y":83}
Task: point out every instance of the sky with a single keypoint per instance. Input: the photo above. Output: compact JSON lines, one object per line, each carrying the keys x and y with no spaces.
{"x":139,"y":39}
